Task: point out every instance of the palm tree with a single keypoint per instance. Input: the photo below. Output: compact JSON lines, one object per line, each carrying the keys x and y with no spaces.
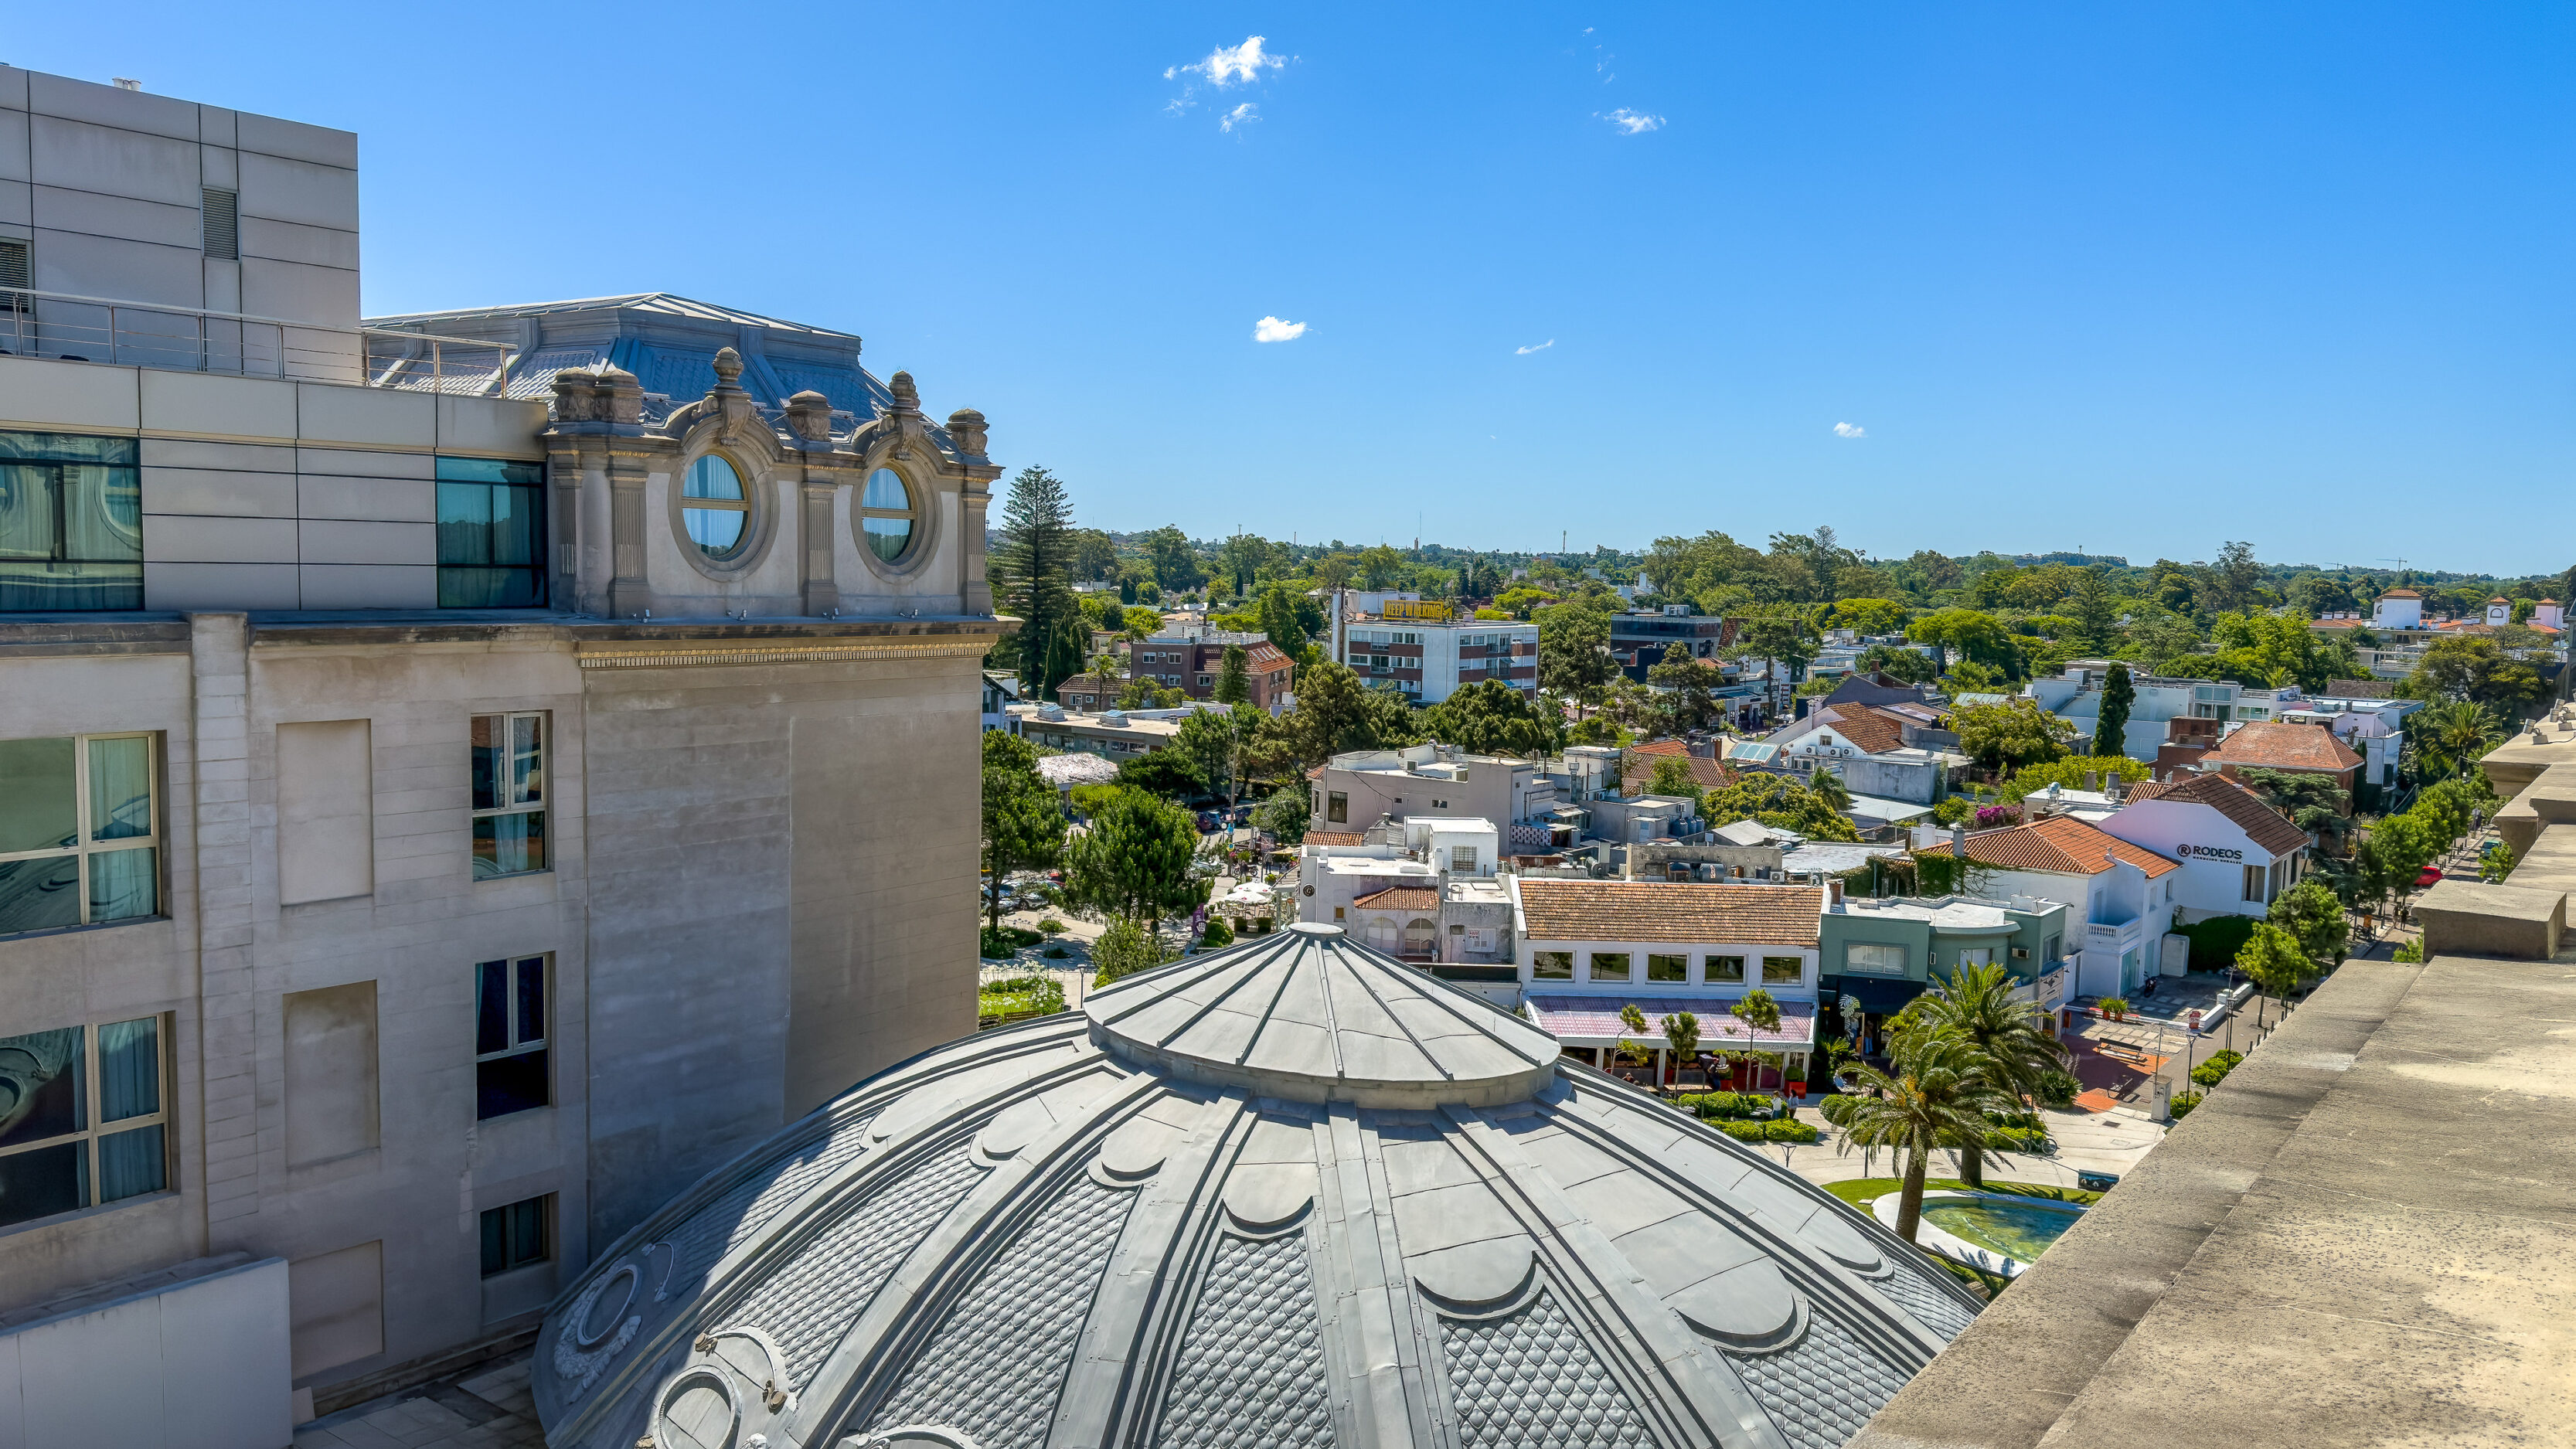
{"x":1937,"y":1095}
{"x":1976,"y":1003}
{"x":2453,"y":733}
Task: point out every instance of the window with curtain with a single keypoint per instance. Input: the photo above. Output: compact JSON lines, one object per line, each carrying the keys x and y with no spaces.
{"x":509,"y":775}
{"x":1724,"y":970}
{"x":515,"y":1236}
{"x":886,"y":516}
{"x":84,"y":1119}
{"x":1877,"y":958}
{"x":491,"y":534}
{"x":71,"y":523}
{"x":79,"y":831}
{"x":714,"y":508}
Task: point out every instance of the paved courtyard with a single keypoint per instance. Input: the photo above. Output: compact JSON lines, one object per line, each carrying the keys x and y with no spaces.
{"x":487,"y":1407}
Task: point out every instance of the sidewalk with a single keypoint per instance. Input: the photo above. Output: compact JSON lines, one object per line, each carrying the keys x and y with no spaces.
{"x":2112,"y":1142}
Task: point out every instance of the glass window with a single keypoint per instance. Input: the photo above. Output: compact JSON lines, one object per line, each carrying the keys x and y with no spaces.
{"x":1609,"y":965}
{"x":515,"y":1236}
{"x":1552,"y":965}
{"x":886,"y":515}
{"x":1462,"y":858}
{"x":1875,"y":958}
{"x":2254,"y":883}
{"x":1337,"y":808}
{"x":83,"y":1118}
{"x":1724,"y":970}
{"x":79,"y":832}
{"x":714,"y":507}
{"x":509,"y":1036}
{"x":71,"y":523}
{"x":1668,"y":968}
{"x":509,"y":770}
{"x":491,"y":534}
{"x":1783,"y":970}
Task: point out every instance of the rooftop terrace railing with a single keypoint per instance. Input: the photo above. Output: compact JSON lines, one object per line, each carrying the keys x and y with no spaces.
{"x":75,"y":328}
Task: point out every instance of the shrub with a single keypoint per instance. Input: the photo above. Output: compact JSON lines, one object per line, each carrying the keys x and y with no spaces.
{"x":2181,"y":1106}
{"x":1123,"y":950}
{"x":2058,"y":1089}
{"x":2412,"y":952}
{"x":1218,"y":933}
{"x":1835,"y":1107}
{"x":1789,"y":1129}
{"x":1727,"y":1106}
{"x":1018,"y":996}
{"x":1743,"y":1131}
{"x":2115,"y":1007}
{"x":2214,"y":1071}
{"x":2215,"y":942}
{"x":998,"y":945}
{"x":1051,"y":926}
{"x":1057,"y":953}
{"x":2020,"y":1139}
{"x":2029,"y":1120}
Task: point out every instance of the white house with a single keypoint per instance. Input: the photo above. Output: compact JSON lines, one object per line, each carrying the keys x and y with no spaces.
{"x":2237,"y":853}
{"x":2398,"y":609}
{"x":1588,"y":948}
{"x":1421,"y":888}
{"x":2122,"y":892}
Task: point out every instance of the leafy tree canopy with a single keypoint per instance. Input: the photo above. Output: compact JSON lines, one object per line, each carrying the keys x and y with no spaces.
{"x":1778,"y":801}
{"x":2010,"y":735}
{"x":1135,"y":859}
{"x":1490,"y":717}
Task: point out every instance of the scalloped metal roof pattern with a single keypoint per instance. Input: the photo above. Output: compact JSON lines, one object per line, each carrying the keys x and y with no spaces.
{"x":1063,"y":1232}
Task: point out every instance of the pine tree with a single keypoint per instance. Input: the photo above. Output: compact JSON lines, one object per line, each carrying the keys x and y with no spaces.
{"x":1234,"y":676}
{"x":1037,"y":552}
{"x":2111,"y":728}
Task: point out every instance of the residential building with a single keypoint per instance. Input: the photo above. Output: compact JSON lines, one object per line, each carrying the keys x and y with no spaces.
{"x":2398,"y":609}
{"x":1885,"y":951}
{"x":2237,"y":852}
{"x":1640,"y":638}
{"x":1895,"y":753}
{"x":2121,"y":895}
{"x":1424,"y":888}
{"x":1001,"y":691}
{"x":1427,"y":653}
{"x":1117,"y":735}
{"x":1588,"y":948}
{"x":1352,"y":791}
{"x":1189,"y":659}
{"x":1088,"y":693}
{"x":2294,"y":748}
{"x":454,"y":789}
{"x":1637,"y":763}
{"x":2076,"y":697}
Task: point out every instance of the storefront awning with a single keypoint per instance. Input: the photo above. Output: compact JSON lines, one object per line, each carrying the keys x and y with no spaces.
{"x":1594,"y":1021}
{"x":1878,"y":994}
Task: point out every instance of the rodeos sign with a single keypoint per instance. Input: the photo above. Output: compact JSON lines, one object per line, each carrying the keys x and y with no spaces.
{"x":2212,"y":852}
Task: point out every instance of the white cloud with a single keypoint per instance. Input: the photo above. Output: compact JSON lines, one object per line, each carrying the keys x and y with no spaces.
{"x":1272,"y":329}
{"x":1632,"y":123}
{"x":1232,"y":66}
{"x":1526,"y":351}
{"x":1850,"y":430}
{"x":1241,"y":115}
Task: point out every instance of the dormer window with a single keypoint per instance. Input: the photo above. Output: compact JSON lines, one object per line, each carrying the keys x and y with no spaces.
{"x":886,"y":516}
{"x":714,"y":507}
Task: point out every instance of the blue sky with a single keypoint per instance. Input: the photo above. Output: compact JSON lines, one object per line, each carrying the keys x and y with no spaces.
{"x":2138,"y":278}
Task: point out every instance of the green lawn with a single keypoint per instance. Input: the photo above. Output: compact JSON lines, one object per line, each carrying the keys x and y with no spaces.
{"x":1860,"y":1192}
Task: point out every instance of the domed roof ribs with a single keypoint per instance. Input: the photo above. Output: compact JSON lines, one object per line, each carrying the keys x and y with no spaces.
{"x":1601,"y":1281}
{"x":872,"y":1357}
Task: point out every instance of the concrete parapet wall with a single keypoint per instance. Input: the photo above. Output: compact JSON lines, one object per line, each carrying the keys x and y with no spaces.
{"x":2462,"y":918}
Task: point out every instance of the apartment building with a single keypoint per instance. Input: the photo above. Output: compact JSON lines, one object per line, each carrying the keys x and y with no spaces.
{"x":452,"y":787}
{"x":1640,"y":638}
{"x":1190,"y":658}
{"x":1424,"y":651}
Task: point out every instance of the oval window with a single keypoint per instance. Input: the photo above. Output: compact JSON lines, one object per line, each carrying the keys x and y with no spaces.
{"x":714,"y":508}
{"x":886,"y":515}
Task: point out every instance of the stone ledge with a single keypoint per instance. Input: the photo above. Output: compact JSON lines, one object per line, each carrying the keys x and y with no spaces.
{"x":2462,"y":918}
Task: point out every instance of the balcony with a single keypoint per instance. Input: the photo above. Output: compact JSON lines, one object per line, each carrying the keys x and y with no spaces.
{"x":72,"y":328}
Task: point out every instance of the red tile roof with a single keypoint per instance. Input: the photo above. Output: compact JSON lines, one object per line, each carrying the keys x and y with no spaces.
{"x":1400,"y":898}
{"x":1335,"y":837}
{"x":2058,"y":845}
{"x":1593,"y":910}
{"x":1639,"y":766}
{"x":2261,"y":823}
{"x":1871,"y":731}
{"x":1264,"y":657}
{"x":2285,"y":747}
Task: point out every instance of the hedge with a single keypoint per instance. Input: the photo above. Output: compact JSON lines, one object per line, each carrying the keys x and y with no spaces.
{"x":1785,"y":1130}
{"x":2032,"y":1140}
{"x":2181,"y":1106}
{"x":2215,"y":942}
{"x":1725,"y":1106}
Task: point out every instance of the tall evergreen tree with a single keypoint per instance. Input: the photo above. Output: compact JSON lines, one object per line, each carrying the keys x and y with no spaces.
{"x":2097,"y":618}
{"x":2111,"y":730}
{"x":1234,"y":676}
{"x":1037,"y":551}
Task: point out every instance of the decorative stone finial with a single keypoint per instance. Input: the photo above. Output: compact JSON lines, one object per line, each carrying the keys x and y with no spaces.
{"x":728,"y":367}
{"x":623,"y":396}
{"x":907,"y":398}
{"x":967,"y":426}
{"x":809,"y":416}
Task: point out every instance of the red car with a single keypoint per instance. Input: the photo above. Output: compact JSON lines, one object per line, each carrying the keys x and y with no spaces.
{"x":2429,"y":876}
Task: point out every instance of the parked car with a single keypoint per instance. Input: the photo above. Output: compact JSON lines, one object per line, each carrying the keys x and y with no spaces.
{"x":2430,"y":875}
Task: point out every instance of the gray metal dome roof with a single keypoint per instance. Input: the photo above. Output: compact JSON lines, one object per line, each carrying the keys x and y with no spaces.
{"x":1294,"y":1193}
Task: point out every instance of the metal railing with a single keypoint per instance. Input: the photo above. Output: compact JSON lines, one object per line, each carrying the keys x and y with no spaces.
{"x":74,"y":328}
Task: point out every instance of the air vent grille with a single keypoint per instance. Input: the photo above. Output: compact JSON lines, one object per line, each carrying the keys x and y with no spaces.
{"x":13,"y":278}
{"x":223,"y":225}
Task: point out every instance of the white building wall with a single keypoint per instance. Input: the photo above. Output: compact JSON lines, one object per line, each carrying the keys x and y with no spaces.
{"x":2213,"y":849}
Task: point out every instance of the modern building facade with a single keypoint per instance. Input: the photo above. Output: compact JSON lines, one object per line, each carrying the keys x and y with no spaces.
{"x":1429,"y":655}
{"x":449,"y":787}
{"x":1639,"y":639}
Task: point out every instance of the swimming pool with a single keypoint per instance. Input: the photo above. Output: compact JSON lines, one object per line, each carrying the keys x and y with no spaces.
{"x":2020,"y":1230}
